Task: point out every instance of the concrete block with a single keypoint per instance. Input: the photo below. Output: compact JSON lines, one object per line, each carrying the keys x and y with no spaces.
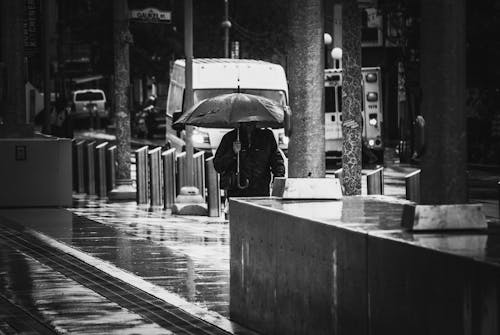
{"x":35,"y":172}
{"x":443,"y":217}
{"x":307,"y":188}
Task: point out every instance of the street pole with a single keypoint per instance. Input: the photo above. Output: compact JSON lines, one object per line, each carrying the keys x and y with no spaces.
{"x":226,"y":28}
{"x":306,"y":65}
{"x":121,"y":40}
{"x":351,"y":108}
{"x":188,"y":100}
{"x":189,"y":201}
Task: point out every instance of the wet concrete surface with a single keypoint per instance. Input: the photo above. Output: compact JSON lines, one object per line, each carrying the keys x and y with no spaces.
{"x":189,"y":257}
{"x":60,"y":304}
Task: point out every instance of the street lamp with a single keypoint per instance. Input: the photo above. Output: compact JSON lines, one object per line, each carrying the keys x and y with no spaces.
{"x":337,"y":57}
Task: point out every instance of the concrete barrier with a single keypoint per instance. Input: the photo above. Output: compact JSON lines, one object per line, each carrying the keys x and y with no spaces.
{"x":375,"y":181}
{"x":213,"y":189}
{"x":322,"y":268}
{"x":412,"y":183}
{"x":90,"y":168}
{"x":111,"y":167}
{"x":155,"y":177}
{"x":141,"y":163}
{"x":169,"y":182}
{"x":100,"y":162}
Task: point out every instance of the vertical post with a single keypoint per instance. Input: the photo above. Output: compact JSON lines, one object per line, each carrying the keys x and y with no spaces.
{"x":375,"y":181}
{"x":169,"y":183}
{"x":46,"y":66}
{"x":442,"y":66}
{"x":80,"y":158}
{"x":100,"y":156}
{"x":199,"y":172}
{"x":155,"y":179}
{"x":412,"y":182}
{"x":338,"y":174}
{"x":141,"y":167}
{"x":213,"y":187}
{"x":110,"y":168}
{"x":74,"y":163}
{"x":351,"y":87}
{"x":91,"y":168}
{"x":188,"y":100}
{"x":181,"y":171}
{"x":226,"y":26}
{"x":121,"y":41}
{"x":498,"y":187}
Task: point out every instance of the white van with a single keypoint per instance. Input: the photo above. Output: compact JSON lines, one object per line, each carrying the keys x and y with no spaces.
{"x":89,"y":98}
{"x":216,"y":76}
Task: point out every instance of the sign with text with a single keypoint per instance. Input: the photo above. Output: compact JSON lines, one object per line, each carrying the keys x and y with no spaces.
{"x":32,"y":27}
{"x":151,"y":14}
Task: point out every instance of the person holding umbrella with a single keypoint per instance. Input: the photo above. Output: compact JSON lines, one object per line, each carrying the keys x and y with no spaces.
{"x":245,"y":159}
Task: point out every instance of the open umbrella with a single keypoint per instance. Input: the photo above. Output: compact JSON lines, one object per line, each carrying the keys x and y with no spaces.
{"x":230,"y":110}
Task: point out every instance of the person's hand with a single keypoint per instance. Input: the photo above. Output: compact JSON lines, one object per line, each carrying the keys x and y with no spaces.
{"x":236,"y":146}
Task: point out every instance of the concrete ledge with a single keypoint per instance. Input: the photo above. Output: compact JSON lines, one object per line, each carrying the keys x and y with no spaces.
{"x":443,"y":217}
{"x":307,"y":188}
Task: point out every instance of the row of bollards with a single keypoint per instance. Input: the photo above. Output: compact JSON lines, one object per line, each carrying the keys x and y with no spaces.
{"x":93,"y":168}
{"x":161,"y":175}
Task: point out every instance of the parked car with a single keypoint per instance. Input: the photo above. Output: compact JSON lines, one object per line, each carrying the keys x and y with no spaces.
{"x":90,"y":104}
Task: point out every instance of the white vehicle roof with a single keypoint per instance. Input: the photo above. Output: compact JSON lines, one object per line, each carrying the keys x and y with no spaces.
{"x":247,"y":73}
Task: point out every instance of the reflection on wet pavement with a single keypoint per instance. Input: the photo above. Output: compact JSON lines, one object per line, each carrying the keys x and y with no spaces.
{"x":61,"y":303}
{"x":185,"y":256}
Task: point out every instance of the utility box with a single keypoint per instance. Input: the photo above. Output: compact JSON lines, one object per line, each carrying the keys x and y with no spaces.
{"x":35,"y":172}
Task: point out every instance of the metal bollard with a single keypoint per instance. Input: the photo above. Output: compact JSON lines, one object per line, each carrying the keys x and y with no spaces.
{"x":375,"y":181}
{"x":199,"y":172}
{"x":338,"y":174}
{"x":74,"y":165}
{"x":141,"y":163}
{"x":213,"y":187}
{"x":169,"y":178}
{"x":412,"y":182}
{"x":111,"y":168}
{"x":155,"y":178}
{"x":100,"y":171}
{"x":181,"y":171}
{"x":80,"y":167}
{"x":90,"y":168}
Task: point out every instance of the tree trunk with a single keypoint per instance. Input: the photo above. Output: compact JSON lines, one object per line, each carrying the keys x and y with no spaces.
{"x":352,"y":122}
{"x":122,"y":38}
{"x":444,"y":175}
{"x":305,"y":74}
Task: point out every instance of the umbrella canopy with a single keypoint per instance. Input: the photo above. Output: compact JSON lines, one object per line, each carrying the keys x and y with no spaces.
{"x":228,"y":110}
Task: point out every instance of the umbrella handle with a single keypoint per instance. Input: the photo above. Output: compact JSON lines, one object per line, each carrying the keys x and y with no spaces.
{"x":238,"y":180}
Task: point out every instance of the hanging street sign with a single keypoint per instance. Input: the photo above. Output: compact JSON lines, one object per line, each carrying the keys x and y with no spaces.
{"x":151,"y":14}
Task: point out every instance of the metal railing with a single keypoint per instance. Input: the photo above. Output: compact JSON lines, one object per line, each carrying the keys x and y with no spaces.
{"x":169,"y":183}
{"x":412,"y":182}
{"x":141,"y":161}
{"x":155,"y":177}
{"x":375,"y":181}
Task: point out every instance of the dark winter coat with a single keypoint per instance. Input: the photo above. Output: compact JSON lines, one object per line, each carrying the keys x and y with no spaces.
{"x":257,"y":160}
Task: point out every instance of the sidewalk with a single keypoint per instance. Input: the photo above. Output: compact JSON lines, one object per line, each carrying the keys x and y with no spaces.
{"x":181,"y":260}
